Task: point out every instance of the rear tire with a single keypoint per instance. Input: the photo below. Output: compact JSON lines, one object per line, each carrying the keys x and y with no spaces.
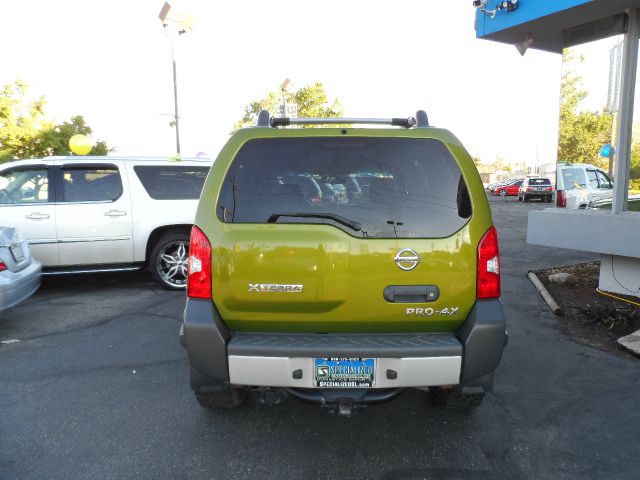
{"x":525,"y":199}
{"x":503,"y":193}
{"x":168,"y":261}
{"x":224,"y":400}
{"x":452,"y":399}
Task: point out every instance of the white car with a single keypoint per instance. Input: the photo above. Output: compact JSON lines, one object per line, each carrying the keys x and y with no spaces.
{"x":579,"y":184}
{"x":83,"y":214}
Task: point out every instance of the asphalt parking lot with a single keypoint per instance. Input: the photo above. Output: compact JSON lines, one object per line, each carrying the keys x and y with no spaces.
{"x":96,"y":387}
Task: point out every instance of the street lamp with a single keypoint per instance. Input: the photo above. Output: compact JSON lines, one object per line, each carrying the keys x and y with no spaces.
{"x":283,"y":90}
{"x":175,"y":22}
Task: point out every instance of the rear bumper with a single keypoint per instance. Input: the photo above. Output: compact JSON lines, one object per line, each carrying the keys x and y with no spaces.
{"x":538,"y":194}
{"x":220,"y":357}
{"x":16,"y":287}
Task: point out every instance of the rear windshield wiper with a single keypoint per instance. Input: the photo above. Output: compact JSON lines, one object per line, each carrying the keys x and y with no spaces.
{"x":330,"y":216}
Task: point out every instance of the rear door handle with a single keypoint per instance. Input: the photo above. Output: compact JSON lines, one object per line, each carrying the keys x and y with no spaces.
{"x":115,"y":213}
{"x":411,"y":293}
{"x":37,"y":216}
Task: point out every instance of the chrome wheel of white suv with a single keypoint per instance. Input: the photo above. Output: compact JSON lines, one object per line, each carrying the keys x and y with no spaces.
{"x":169,"y":259}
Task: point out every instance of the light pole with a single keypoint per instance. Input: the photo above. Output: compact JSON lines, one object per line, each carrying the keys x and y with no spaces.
{"x":174,"y":23}
{"x":283,"y":91}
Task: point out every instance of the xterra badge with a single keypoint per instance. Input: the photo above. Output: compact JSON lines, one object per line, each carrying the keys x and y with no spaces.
{"x":274,"y":287}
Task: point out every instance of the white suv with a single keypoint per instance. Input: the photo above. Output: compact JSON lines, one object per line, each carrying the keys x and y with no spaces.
{"x":579,"y":184}
{"x":82,"y":214}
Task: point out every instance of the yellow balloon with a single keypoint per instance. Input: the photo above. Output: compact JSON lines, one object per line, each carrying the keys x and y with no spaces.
{"x":80,"y":144}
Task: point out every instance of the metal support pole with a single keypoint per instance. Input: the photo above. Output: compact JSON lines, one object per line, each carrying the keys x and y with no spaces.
{"x":625,"y":119}
{"x":176,"y":118}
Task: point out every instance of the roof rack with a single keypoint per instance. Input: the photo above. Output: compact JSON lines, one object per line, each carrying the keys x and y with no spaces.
{"x":266,"y":120}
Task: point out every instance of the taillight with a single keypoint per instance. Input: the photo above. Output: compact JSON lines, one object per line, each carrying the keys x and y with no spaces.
{"x":2,"y":267}
{"x":549,"y":189}
{"x":488,"y":266}
{"x":529,"y":189}
{"x":199,"y":268}
{"x":561,"y":199}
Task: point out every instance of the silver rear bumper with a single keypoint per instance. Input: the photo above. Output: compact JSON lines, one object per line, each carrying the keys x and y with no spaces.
{"x":409,"y":372}
{"x":16,"y":287}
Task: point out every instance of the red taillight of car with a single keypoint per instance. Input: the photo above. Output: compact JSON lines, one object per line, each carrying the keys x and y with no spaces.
{"x":488,"y":266}
{"x":199,"y":268}
{"x":549,"y":189}
{"x":3,"y":267}
{"x":529,"y":189}
{"x":561,"y":199}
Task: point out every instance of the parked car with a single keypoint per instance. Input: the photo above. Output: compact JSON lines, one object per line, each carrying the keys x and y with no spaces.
{"x":537,"y":187}
{"x":345,"y":302}
{"x":493,"y":186}
{"x":82,"y":214}
{"x":579,"y":184}
{"x":508,"y":189}
{"x":19,"y":272}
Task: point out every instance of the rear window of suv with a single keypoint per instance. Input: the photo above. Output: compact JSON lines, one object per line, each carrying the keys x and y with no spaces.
{"x":172,"y":182}
{"x":539,"y":181}
{"x":390,"y":187}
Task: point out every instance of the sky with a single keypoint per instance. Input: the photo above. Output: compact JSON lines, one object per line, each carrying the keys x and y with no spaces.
{"x":110,"y":61}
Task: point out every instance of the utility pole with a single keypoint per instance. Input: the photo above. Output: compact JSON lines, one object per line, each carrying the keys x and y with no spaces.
{"x":175,"y":22}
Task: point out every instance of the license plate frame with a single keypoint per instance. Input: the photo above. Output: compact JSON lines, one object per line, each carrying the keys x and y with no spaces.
{"x":16,"y":252}
{"x":344,"y":372}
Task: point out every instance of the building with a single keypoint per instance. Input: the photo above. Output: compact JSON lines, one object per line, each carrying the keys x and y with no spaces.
{"x":553,"y":26}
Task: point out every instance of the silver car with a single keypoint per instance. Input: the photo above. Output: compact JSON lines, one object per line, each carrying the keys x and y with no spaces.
{"x":19,"y":272}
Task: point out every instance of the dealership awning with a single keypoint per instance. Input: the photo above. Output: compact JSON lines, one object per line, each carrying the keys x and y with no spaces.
{"x":553,"y":25}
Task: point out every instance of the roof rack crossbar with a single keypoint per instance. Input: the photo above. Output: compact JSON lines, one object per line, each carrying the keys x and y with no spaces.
{"x":266,"y":120}
{"x":399,"y":122}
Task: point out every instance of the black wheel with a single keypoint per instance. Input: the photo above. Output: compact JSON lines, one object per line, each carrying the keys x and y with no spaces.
{"x":168,"y":262}
{"x":503,"y":193}
{"x":226,"y":399}
{"x":452,"y":399}
{"x":519,"y":198}
{"x":524,"y":198}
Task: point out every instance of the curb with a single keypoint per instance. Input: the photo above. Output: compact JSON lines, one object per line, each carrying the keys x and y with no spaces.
{"x":555,"y":308}
{"x":631,"y":343}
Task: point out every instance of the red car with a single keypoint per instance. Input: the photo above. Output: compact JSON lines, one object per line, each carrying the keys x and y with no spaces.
{"x":509,"y":189}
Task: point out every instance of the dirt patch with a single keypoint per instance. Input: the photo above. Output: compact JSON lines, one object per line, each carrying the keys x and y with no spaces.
{"x":588,"y":316}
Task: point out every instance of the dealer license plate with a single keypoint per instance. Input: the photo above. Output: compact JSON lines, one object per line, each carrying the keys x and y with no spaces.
{"x":16,"y":251}
{"x":344,"y":372}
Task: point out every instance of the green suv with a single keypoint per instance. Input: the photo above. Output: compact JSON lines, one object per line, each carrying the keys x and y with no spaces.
{"x":343,"y":266}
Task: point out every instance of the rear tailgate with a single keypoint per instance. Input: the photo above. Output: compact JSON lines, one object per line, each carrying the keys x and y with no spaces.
{"x":312,"y":278}
{"x":397,"y":253}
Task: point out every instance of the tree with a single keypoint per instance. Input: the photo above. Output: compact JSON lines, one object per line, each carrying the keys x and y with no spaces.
{"x":20,"y":121}
{"x":582,"y":133}
{"x":311,"y":101}
{"x":55,"y":140}
{"x":26,"y":132}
